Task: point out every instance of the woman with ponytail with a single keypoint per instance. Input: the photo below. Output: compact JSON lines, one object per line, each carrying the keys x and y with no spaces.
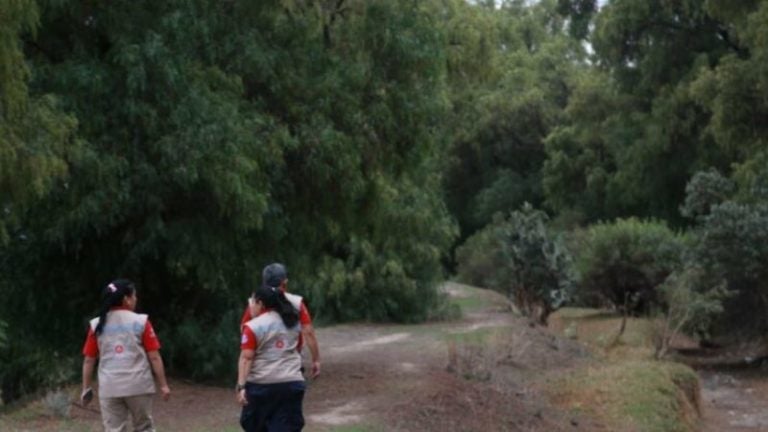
{"x":127,"y":349}
{"x":270,"y":385}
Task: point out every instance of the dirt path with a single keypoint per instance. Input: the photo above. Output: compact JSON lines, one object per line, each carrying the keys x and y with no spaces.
{"x":734,"y":400}
{"x":378,"y":378}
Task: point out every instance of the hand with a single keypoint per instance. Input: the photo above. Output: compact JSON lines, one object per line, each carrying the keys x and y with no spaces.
{"x":241,"y":399}
{"x":315,"y":370}
{"x":165,"y":392}
{"x":86,"y":396}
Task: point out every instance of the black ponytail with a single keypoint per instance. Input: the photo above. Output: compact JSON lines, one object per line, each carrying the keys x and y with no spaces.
{"x":111,"y":296}
{"x":273,"y":298}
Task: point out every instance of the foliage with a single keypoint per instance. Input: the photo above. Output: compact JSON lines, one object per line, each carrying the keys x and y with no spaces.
{"x":636,"y":112}
{"x":519,"y":257}
{"x":635,"y":395}
{"x":35,"y":136}
{"x":205,"y":352}
{"x":510,"y":75}
{"x":25,"y":368}
{"x":623,"y":262}
{"x":692,"y":303}
{"x":732,"y":243}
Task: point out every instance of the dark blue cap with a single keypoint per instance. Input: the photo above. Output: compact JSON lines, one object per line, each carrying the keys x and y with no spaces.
{"x":273,"y":275}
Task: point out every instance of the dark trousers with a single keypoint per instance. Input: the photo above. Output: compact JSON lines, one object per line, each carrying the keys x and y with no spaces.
{"x":273,"y":407}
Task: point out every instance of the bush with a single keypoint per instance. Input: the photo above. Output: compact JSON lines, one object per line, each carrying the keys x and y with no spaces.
{"x":623,"y":262}
{"x":520,"y":258}
{"x":204,"y":351}
{"x":692,"y":301}
{"x":479,"y":258}
{"x":26,"y":365}
{"x":731,"y":242}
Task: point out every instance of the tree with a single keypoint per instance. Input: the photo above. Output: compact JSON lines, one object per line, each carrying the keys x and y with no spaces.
{"x":35,"y":136}
{"x":519,"y":257}
{"x":510,"y":73}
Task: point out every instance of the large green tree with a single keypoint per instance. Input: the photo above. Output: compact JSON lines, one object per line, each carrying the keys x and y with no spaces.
{"x":511,"y":68}
{"x":636,"y":130}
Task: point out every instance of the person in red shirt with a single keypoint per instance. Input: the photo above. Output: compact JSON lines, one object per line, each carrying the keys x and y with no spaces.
{"x":127,"y":347}
{"x":275,"y":275}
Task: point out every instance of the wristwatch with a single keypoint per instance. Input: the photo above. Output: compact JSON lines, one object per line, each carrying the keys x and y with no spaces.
{"x":240,"y":387}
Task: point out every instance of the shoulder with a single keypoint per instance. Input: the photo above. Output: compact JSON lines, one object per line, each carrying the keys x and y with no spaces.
{"x":295,"y":300}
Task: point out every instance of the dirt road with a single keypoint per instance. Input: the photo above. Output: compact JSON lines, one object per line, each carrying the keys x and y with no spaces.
{"x":456,"y":376}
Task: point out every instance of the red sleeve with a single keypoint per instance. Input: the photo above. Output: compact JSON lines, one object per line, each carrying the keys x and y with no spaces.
{"x":91,"y":347}
{"x":246,"y":316}
{"x":304,"y":317}
{"x":149,"y":339}
{"x":248,"y":340}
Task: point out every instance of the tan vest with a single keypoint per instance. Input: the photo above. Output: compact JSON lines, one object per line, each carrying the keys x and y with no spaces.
{"x":294,"y":300}
{"x":277,"y":358}
{"x":123,"y":365}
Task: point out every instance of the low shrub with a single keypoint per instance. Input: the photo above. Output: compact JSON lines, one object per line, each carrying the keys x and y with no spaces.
{"x":624,"y":261}
{"x":520,"y":257}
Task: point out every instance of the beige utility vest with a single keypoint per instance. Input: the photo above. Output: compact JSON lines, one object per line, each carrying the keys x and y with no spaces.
{"x":294,"y":300}
{"x":123,"y":364}
{"x":277,"y":357}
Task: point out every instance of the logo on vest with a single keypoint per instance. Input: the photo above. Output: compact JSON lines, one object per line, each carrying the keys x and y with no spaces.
{"x":119,"y":349}
{"x":279,"y":344}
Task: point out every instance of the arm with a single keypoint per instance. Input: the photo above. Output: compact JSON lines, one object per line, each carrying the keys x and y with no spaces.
{"x":308,"y":333}
{"x":89,"y":364}
{"x":157,"y":367}
{"x":243,"y":367}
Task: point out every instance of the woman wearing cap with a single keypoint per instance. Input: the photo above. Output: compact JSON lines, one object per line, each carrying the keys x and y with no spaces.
{"x":270,"y":386}
{"x":127,"y":349}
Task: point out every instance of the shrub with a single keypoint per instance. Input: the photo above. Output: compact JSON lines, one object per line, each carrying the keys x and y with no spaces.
{"x":28,"y":365}
{"x":623,"y":262}
{"x":479,"y":258}
{"x":205,"y":352}
{"x":692,"y":300}
{"x":732,"y":243}
{"x":522,"y":259}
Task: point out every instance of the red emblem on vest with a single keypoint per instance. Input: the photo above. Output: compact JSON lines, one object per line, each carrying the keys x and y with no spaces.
{"x":119,"y":349}
{"x":279,"y":344}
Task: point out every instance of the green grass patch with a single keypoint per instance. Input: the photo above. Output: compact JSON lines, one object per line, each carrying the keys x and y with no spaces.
{"x":599,"y":329}
{"x":642,"y":396}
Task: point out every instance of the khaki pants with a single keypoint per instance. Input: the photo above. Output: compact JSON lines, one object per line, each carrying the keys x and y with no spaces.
{"x":116,"y":413}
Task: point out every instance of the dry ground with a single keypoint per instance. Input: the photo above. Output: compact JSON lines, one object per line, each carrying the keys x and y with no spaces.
{"x":484,"y":372}
{"x":489,"y":371}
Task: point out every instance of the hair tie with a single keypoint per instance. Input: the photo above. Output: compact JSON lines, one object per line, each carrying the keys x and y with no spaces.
{"x":273,"y":289}
{"x":112,"y":287}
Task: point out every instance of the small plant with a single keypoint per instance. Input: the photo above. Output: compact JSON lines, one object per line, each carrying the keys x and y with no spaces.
{"x":691,"y":305}
{"x":519,"y":257}
{"x":57,"y":403}
{"x":623,"y":262}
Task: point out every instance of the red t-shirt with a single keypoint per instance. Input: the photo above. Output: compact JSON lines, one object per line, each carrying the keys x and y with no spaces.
{"x":148,"y":338}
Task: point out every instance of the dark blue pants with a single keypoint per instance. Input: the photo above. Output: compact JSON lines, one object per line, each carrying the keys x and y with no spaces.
{"x":273,"y":407}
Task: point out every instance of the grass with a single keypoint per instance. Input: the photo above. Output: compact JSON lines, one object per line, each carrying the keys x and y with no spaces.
{"x":599,"y":329}
{"x":627,"y":390}
{"x":643,"y":396}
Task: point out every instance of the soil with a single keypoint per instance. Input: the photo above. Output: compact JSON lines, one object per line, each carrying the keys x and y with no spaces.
{"x":484,"y":372}
{"x":734,"y":388}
